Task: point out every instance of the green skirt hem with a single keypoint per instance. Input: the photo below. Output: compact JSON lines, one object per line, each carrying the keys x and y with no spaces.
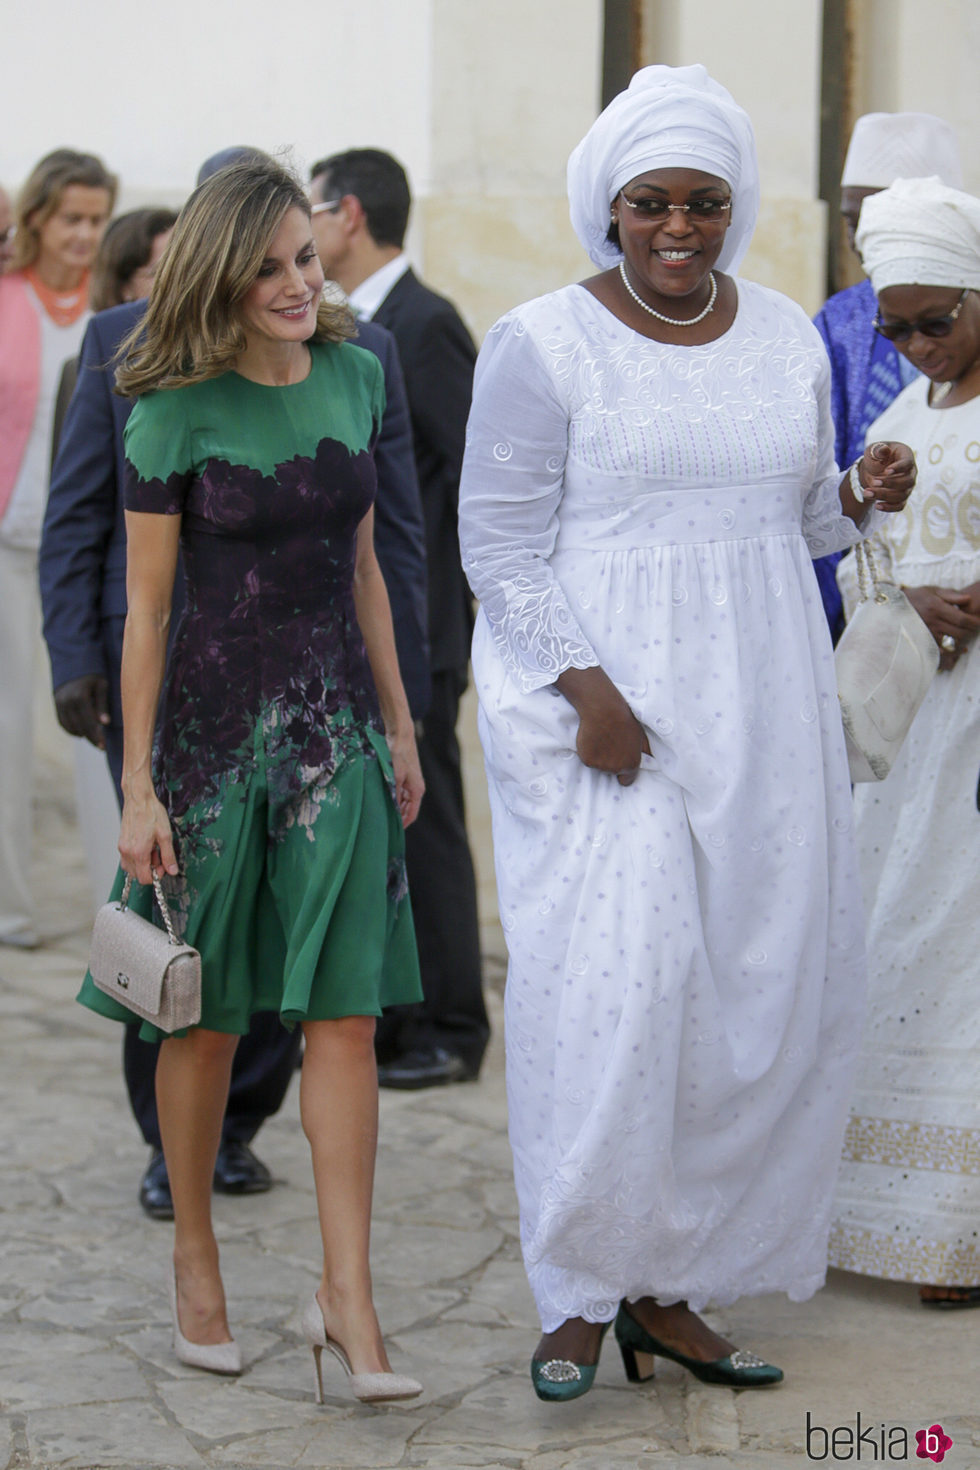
{"x":312,"y":920}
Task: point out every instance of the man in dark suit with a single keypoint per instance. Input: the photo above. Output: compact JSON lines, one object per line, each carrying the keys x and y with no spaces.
{"x":361,"y":203}
{"x":83,"y":572}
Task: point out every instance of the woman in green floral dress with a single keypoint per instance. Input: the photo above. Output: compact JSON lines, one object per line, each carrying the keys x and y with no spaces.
{"x":285,"y":766}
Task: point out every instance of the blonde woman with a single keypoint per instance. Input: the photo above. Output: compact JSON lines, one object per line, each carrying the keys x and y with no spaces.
{"x":286,"y":765}
{"x":61,"y":213}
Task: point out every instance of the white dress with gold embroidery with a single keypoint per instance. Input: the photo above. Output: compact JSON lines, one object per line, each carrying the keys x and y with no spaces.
{"x":685,"y":989}
{"x":908,"y":1204}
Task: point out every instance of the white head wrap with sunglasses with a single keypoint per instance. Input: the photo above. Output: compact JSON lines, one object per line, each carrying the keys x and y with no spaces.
{"x":668,"y":117}
{"x":919,"y":232}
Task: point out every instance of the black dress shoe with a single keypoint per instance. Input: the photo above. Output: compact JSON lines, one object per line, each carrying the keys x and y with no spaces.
{"x":238,"y":1171}
{"x":425,"y":1066}
{"x":155,"y":1189}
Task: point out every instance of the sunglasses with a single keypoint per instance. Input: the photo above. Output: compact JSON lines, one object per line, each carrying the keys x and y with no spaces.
{"x":933,"y":326}
{"x":702,"y":211}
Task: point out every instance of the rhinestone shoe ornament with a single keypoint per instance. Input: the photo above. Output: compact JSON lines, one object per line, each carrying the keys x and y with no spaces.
{"x":741,"y":1359}
{"x":559,"y":1370}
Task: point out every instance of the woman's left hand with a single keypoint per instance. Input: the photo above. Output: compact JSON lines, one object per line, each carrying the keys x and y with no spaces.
{"x":887,"y":470}
{"x":409,"y":785}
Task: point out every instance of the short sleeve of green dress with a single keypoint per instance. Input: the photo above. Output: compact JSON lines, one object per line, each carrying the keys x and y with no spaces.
{"x":269,"y":757}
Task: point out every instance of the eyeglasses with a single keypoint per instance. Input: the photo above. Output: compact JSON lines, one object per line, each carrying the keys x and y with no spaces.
{"x":330,"y":204}
{"x":933,"y":326}
{"x":656,"y":211}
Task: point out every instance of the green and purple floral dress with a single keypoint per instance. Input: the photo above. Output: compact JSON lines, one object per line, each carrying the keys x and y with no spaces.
{"x":270,"y":758}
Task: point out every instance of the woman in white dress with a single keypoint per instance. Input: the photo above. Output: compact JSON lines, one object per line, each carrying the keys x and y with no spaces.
{"x":649,"y":470}
{"x":908,"y":1205}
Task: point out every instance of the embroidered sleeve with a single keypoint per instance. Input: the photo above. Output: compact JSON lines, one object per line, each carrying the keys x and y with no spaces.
{"x":510,"y":499}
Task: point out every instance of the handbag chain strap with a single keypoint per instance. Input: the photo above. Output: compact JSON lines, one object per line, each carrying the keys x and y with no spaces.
{"x":158,"y":890}
{"x":867,"y":563}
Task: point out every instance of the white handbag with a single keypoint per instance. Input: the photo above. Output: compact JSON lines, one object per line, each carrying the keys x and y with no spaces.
{"x":143,"y":968}
{"x":885,"y":661}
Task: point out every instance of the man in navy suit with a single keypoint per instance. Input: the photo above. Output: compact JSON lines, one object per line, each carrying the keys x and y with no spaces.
{"x":361,"y":203}
{"x":83,"y":588}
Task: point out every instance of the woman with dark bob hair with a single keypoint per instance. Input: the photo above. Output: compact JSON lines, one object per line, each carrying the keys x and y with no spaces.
{"x":649,"y":472}
{"x":61,"y":212}
{"x":286,"y":765}
{"x":129,"y":255}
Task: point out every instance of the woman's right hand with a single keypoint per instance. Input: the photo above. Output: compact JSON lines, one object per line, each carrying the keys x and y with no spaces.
{"x":610,"y":737}
{"x":145,"y":841}
{"x":947,"y":613}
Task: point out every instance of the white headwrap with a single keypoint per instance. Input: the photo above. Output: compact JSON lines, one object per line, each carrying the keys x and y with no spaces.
{"x":669,"y":117}
{"x":920,"y":233}
{"x":886,"y":146}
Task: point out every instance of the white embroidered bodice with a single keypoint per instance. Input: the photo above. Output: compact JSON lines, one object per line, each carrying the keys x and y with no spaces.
{"x":613,"y":442}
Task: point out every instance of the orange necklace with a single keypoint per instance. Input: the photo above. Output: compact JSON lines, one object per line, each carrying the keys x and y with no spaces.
{"x":63,"y":307}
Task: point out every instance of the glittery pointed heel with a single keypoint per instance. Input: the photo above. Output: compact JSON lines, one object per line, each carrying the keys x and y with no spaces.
{"x":218,"y":1357}
{"x":557,"y":1379}
{"x":738,"y":1370}
{"x":369,"y":1388}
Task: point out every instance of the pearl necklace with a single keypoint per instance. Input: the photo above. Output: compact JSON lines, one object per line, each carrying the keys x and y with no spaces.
{"x":671,"y":320}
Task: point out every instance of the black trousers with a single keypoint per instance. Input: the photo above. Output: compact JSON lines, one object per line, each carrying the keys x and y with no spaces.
{"x":443,"y":889}
{"x":265,"y":1059}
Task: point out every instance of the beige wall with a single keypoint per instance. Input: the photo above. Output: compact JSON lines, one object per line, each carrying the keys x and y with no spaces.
{"x":922,"y":58}
{"x":156,"y":88}
{"x":482,"y":102}
{"x":514,"y":87}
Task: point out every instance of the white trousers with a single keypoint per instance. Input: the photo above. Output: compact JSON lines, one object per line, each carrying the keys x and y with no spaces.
{"x":20,"y":630}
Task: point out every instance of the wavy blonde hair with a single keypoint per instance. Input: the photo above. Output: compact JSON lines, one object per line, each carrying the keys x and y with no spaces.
{"x":193,"y":329}
{"x":43,"y":192}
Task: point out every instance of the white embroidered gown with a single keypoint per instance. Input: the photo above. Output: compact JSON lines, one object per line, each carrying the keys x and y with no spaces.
{"x":686,"y":959}
{"x":908,"y":1203}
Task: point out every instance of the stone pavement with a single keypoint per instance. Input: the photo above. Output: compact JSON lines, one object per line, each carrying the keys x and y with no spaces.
{"x":87,"y":1378}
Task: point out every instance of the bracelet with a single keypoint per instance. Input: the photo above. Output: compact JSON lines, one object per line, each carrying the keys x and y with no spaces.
{"x":857,"y":489}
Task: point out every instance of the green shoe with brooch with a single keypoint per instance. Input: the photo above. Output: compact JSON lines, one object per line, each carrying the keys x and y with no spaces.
{"x":738,"y":1370}
{"x":558,"y":1379}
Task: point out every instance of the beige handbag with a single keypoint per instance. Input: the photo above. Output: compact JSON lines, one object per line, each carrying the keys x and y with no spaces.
{"x":145,"y":969}
{"x":885,"y":662}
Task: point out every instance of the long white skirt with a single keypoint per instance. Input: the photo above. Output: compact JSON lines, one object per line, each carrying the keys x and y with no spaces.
{"x":908,"y":1201}
{"x":686,"y":978}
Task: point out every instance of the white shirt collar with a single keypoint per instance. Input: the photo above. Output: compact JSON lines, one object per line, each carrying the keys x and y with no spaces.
{"x":368,"y":296}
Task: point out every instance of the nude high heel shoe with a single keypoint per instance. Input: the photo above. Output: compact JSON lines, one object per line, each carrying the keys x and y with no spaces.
{"x":217,"y":1357}
{"x":370,"y":1388}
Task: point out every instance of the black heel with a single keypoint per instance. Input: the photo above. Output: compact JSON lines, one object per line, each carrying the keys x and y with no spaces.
{"x":639,"y":1366}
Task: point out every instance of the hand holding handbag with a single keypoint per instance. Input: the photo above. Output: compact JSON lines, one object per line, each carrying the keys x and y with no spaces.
{"x":885,"y":661}
{"x":144,"y":968}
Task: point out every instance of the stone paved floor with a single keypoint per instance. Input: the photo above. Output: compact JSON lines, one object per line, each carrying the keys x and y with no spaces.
{"x":87,"y":1378}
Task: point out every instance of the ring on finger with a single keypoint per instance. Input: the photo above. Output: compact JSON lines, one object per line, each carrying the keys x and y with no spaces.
{"x":948,"y":643}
